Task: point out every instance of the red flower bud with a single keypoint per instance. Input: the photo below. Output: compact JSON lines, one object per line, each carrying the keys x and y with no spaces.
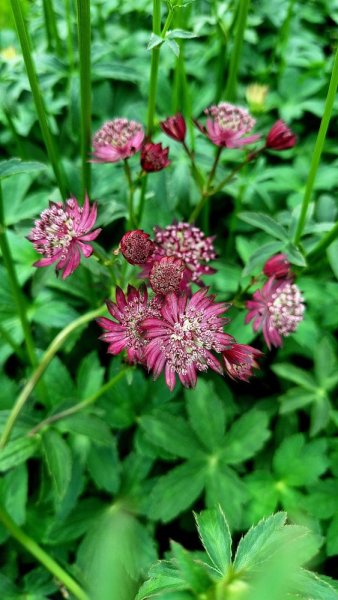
{"x":136,"y":247}
{"x":280,"y":137}
{"x":154,"y":157}
{"x":277,"y":266}
{"x":175,"y":127}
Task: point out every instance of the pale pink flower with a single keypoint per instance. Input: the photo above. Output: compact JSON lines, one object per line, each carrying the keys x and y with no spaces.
{"x":62,"y":233}
{"x":125,"y":333}
{"x":240,"y":360}
{"x":276,"y":309}
{"x":227,"y":125}
{"x":117,"y":139}
{"x":182,"y":340}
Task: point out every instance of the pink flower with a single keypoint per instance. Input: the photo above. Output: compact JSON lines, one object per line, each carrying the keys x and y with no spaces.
{"x":227,"y":125}
{"x":175,"y":127}
{"x":182,"y":340}
{"x":117,"y":140}
{"x":154,"y":157}
{"x":166,"y":275}
{"x":125,"y":333}
{"x":240,"y":360}
{"x":62,"y":233}
{"x":136,"y":246}
{"x":276,"y":309}
{"x":280,"y":137}
{"x":278,"y":266}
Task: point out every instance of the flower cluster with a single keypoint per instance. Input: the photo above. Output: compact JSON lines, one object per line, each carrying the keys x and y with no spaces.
{"x":277,"y":308}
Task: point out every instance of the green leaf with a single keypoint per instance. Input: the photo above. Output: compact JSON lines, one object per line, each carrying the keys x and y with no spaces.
{"x":190,"y":570}
{"x":260,"y":255}
{"x":155,"y":40}
{"x":225,"y":488}
{"x":246,"y":436}
{"x":268,"y":224}
{"x":88,"y":425}
{"x":174,"y":47}
{"x":295,"y":398}
{"x":177,"y":490}
{"x":295,"y":256}
{"x":296,"y":375}
{"x":59,"y":461}
{"x":256,"y":545}
{"x":180,"y":34}
{"x":17,"y":452}
{"x":325,"y":362}
{"x":216,"y":537}
{"x":332,"y":537}
{"x":206,"y":414}
{"x":163,"y":577}
{"x":16,"y":165}
{"x":103,"y":466}
{"x":172,"y":434}
{"x":13,"y":493}
{"x":90,"y":375}
{"x":298,"y":463}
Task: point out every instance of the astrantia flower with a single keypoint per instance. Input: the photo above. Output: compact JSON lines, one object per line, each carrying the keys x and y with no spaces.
{"x":280,"y":137}
{"x":182,"y":340}
{"x":277,"y":266}
{"x":154,"y":157}
{"x":166,"y":275}
{"x":175,"y":127}
{"x":136,"y":246}
{"x":125,"y":333}
{"x":117,"y":139}
{"x":227,"y":125}
{"x":188,"y":243}
{"x":62,"y":233}
{"x":240,"y":360}
{"x":276,"y":309}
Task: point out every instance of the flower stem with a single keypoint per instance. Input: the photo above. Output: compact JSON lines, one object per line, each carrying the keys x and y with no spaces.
{"x":319,"y":145}
{"x":84,"y":41}
{"x":42,"y":556}
{"x":155,"y":61}
{"x":231,"y":86}
{"x":35,"y":377}
{"x":78,"y":407}
{"x":205,"y":193}
{"x":37,"y":96}
{"x":69,"y":35}
{"x":324,"y":243}
{"x":51,"y":27}
{"x":142,"y":200}
{"x":131,"y":217}
{"x":16,"y":289}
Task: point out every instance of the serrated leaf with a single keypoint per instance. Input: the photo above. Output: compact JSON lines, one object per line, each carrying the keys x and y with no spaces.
{"x":16,"y":165}
{"x":13,"y":493}
{"x":190,"y":570}
{"x":246,"y":436}
{"x":180,"y":34}
{"x":103,"y":466}
{"x":256,"y":544}
{"x":265,"y":222}
{"x":298,"y":463}
{"x":206,"y":414}
{"x":59,"y":461}
{"x":88,"y":425}
{"x":173,"y":434}
{"x":216,"y":537}
{"x":225,"y":488}
{"x":295,"y":398}
{"x":17,"y":452}
{"x":90,"y":375}
{"x":295,"y":256}
{"x":296,"y":375}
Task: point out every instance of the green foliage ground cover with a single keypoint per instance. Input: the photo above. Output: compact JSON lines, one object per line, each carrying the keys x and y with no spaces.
{"x":104,"y":466}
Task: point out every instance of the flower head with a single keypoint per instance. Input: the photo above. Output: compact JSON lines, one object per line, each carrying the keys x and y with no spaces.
{"x":62,"y":232}
{"x":154,"y":157}
{"x":182,"y":340}
{"x":256,"y":94}
{"x":276,"y":309}
{"x":125,"y":333}
{"x":117,"y":139}
{"x":175,"y":127}
{"x":278,"y":266}
{"x":136,"y":246}
{"x":280,"y":137}
{"x":227,"y":125}
{"x":240,"y":360}
{"x":166,"y":275}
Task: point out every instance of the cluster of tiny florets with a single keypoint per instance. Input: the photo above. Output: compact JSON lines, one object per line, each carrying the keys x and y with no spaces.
{"x":117,"y":132}
{"x":228,"y":116}
{"x":166,"y":275}
{"x":286,"y":308}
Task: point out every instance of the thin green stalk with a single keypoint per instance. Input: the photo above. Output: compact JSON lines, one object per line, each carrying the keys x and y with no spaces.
{"x":142,"y":200}
{"x":37,"y":96}
{"x":52,"y":25}
{"x":16,"y":289}
{"x":324,"y":243}
{"x":69,"y":35}
{"x":45,"y":360}
{"x":231,"y":86}
{"x":206,"y":192}
{"x":81,"y":405}
{"x":47,"y":27}
{"x":281,"y":46}
{"x":42,"y":556}
{"x":131,"y":216}
{"x":318,"y":149}
{"x":84,"y":40}
{"x":155,"y":61}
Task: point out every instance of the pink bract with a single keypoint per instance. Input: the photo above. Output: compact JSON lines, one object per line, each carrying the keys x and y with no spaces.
{"x":227,"y":125}
{"x":117,"y":140}
{"x":62,"y":233}
{"x":125,"y":333}
{"x":240,"y":360}
{"x":276,"y":309}
{"x":182,"y":340}
{"x":278,"y":266}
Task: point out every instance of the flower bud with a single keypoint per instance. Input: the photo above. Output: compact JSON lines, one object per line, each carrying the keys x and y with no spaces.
{"x":174,"y":127}
{"x":136,"y":247}
{"x":280,"y":137}
{"x":277,"y":266}
{"x":154,"y":157}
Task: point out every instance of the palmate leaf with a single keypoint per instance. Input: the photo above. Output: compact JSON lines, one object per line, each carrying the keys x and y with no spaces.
{"x":189,"y":569}
{"x":267,"y":223}
{"x":246,"y":436}
{"x":299,"y":463}
{"x":206,"y":414}
{"x":224,"y":488}
{"x":171,"y":433}
{"x":215,"y":535}
{"x":256,"y":545}
{"x":58,"y":459}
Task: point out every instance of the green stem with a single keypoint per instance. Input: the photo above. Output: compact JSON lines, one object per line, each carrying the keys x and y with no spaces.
{"x":131,"y":216}
{"x":78,"y":407}
{"x":318,"y":149}
{"x":142,"y":200}
{"x":52,"y":25}
{"x":41,"y":555}
{"x":47,"y":26}
{"x":155,"y":61}
{"x":69,"y":35}
{"x":281,"y":46}
{"x":16,"y":289}
{"x":231,"y":86}
{"x":36,"y":92}
{"x":45,"y":360}
{"x":205,"y":193}
{"x":324,"y":243}
{"x":84,"y":40}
